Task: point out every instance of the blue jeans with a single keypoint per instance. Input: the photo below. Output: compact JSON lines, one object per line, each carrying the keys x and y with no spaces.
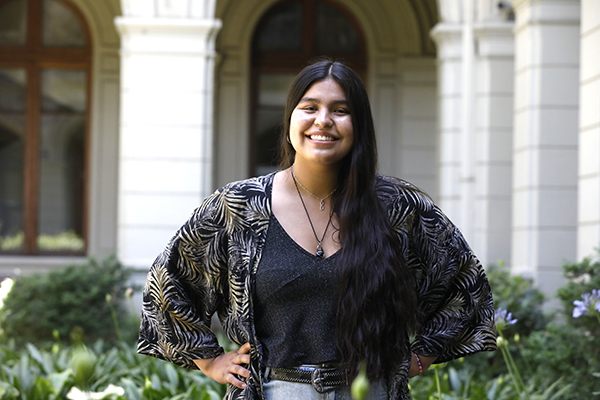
{"x":283,"y":390}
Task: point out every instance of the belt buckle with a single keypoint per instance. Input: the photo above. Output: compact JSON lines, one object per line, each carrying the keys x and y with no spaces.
{"x":317,"y":380}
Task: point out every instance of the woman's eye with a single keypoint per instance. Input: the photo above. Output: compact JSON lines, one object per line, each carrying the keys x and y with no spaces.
{"x":342,"y":111}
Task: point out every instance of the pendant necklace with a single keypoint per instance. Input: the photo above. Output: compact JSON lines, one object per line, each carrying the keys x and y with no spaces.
{"x":321,"y":200}
{"x":320,"y":253}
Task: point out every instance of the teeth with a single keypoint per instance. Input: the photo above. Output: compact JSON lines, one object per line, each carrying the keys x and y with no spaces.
{"x":322,"y":138}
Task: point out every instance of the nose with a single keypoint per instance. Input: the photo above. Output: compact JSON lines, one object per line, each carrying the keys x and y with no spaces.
{"x":323,"y":119}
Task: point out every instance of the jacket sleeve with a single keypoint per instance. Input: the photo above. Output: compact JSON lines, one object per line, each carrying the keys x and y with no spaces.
{"x":454,"y":297}
{"x":184,"y":288}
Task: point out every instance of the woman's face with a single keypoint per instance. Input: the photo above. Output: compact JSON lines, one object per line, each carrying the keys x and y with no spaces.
{"x":321,"y":125}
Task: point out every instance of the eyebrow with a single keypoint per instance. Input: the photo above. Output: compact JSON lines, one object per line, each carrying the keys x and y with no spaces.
{"x":314,"y":100}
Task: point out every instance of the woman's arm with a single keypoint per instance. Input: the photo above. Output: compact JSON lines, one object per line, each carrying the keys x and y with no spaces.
{"x":225,"y":367}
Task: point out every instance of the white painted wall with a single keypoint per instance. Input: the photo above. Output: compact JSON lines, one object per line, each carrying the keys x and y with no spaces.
{"x":475,"y":74}
{"x":165,"y":155}
{"x":493,"y":107}
{"x":545,"y":139}
{"x":589,"y":131}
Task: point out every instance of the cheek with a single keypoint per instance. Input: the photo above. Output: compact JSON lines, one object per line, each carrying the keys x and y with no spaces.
{"x":299,"y":123}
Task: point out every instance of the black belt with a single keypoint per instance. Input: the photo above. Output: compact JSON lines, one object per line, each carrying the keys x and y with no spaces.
{"x":322,"y":379}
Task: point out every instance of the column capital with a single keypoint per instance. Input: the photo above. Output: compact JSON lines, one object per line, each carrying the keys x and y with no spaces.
{"x":495,"y":38}
{"x":169,"y":8}
{"x":448,"y":39}
{"x":547,"y":11}
{"x":168,"y":35}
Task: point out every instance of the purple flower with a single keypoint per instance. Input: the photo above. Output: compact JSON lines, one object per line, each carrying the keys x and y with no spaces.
{"x":589,"y":302}
{"x":504,"y":318}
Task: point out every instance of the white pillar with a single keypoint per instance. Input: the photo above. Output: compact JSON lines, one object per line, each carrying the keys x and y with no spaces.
{"x":493,"y":111}
{"x":475,"y":65}
{"x":166,"y":130}
{"x":545,"y":139}
{"x":448,"y":38}
{"x":589,"y":131}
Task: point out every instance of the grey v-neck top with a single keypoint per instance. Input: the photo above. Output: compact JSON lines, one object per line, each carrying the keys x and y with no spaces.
{"x":296,"y":301}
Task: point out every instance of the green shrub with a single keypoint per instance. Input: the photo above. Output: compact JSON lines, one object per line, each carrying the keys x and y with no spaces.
{"x":68,"y":303}
{"x":520,"y":297}
{"x":571,"y":347}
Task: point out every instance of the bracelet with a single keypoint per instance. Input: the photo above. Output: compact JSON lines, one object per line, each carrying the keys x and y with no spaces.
{"x":419,"y":363}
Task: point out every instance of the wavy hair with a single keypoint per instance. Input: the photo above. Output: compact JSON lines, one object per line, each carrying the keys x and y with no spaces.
{"x":377,"y":307}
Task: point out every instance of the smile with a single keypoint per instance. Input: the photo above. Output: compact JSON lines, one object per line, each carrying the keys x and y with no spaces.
{"x":322,"y":138}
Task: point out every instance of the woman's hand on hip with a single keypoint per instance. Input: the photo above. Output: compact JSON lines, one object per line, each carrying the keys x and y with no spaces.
{"x":225,"y":367}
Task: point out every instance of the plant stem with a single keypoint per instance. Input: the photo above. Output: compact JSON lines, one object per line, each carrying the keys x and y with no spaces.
{"x":513,"y":371}
{"x":437,"y":381}
{"x":115,"y":321}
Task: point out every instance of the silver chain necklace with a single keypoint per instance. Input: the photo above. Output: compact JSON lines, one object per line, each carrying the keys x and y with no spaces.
{"x":320,"y":253}
{"x":321,"y":200}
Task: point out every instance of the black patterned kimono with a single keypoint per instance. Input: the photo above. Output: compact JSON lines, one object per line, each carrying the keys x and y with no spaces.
{"x":210,"y":266}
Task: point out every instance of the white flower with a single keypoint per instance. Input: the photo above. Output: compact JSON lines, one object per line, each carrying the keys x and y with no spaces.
{"x":5,"y":287}
{"x":110,"y":392}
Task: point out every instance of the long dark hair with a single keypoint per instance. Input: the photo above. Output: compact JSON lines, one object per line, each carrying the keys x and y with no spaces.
{"x":377,"y":307}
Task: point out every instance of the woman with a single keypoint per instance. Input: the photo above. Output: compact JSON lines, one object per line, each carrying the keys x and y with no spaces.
{"x":318,"y":267}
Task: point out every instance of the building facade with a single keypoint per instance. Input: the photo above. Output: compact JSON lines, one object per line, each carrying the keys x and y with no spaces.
{"x":118,"y":117}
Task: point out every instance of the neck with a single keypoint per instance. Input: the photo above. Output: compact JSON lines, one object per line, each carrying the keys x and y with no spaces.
{"x":319,"y":180}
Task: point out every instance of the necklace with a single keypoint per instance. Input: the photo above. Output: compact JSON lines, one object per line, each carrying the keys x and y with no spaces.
{"x":320,"y":253}
{"x":321,"y":200}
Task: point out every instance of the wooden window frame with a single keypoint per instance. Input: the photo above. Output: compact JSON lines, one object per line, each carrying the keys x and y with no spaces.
{"x":34,"y":57}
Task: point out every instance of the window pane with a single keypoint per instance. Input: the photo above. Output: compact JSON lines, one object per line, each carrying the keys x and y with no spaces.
{"x":62,"y":160}
{"x":335,"y":34}
{"x":282,"y":31}
{"x":13,"y":23}
{"x":64,"y":90}
{"x":60,"y":26}
{"x":272,"y":92}
{"x":12,"y":133}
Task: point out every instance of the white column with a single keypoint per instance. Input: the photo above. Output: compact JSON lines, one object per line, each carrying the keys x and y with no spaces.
{"x":165,"y":155}
{"x":448,"y":37}
{"x":545,"y":139}
{"x":493,"y":111}
{"x":589,"y":131}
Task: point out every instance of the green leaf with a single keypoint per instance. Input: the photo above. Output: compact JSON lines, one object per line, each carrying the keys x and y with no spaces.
{"x":132,"y":392}
{"x":8,"y":391}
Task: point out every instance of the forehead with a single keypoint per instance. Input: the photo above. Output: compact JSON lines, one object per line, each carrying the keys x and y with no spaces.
{"x":327,"y":88}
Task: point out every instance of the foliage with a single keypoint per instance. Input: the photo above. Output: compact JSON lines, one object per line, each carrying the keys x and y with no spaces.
{"x":459,"y":382}
{"x":35,"y":374}
{"x":519,"y":296}
{"x":69,"y":302}
{"x":583,"y":277}
{"x":571,"y":346}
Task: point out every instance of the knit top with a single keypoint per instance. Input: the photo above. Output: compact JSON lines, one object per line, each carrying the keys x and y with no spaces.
{"x":296,"y":301}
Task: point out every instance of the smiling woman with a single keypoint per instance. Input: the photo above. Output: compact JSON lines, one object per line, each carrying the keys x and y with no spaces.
{"x":318,"y":267}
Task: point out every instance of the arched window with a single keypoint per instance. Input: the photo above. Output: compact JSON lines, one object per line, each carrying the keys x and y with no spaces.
{"x":288,"y":36}
{"x":44,"y":113}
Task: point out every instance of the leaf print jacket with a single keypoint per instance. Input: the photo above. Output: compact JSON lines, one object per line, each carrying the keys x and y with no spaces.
{"x":209,"y":267}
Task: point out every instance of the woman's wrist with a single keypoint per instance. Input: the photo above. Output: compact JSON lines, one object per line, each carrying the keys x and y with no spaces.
{"x":419,"y":363}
